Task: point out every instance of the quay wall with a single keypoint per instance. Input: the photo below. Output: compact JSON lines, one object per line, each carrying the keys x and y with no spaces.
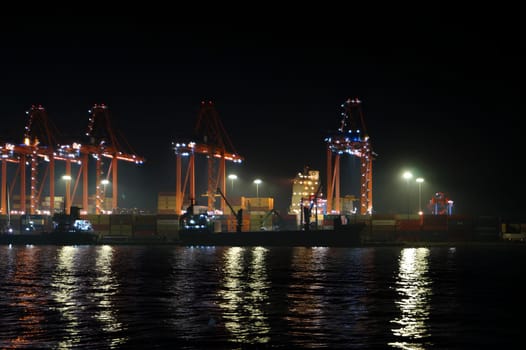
{"x":378,"y":228}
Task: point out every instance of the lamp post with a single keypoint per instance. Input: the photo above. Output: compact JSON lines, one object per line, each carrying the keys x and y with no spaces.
{"x":103,"y":182}
{"x":257,"y":182}
{"x":407,"y":176}
{"x":420,"y":180}
{"x":67,"y":204}
{"x":232,"y":177}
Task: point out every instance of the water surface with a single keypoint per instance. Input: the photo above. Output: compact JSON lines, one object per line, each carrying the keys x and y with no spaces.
{"x":67,"y":297}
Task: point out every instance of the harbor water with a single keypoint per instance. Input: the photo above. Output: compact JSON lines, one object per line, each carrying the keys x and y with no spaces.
{"x":175,"y":297}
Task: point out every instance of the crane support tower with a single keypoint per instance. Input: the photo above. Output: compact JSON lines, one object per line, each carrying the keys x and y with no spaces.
{"x":351,"y":138}
{"x":215,"y":144}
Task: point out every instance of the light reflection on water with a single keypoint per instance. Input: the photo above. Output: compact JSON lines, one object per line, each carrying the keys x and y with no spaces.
{"x":233,"y":297}
{"x":83,"y":285}
{"x":244,"y":293}
{"x":105,"y":287}
{"x":23,"y":305}
{"x":65,"y":291}
{"x":414,"y":289}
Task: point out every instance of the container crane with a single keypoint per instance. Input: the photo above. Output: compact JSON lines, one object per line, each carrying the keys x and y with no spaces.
{"x":351,"y":138}
{"x":440,"y":204}
{"x":39,"y":146}
{"x":214,"y":142}
{"x":102,"y":142}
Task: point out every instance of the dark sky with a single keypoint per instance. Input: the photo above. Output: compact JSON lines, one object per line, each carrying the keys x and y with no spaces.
{"x":441,"y":89}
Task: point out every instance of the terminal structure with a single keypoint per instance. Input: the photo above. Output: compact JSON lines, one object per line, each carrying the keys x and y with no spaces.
{"x":213,"y":142}
{"x":351,"y":138}
{"x":42,"y":148}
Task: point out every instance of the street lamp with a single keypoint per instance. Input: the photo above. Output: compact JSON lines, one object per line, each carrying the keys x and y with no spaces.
{"x":257,"y":182}
{"x":67,"y":204}
{"x":407,"y":176}
{"x":102,"y":198}
{"x":232,"y":177}
{"x":420,"y":180}
{"x":104,"y":182}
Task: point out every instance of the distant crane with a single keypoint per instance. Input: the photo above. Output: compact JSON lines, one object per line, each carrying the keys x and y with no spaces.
{"x":40,"y":146}
{"x":351,"y":138}
{"x":440,"y":204}
{"x":213,"y":141}
{"x":102,"y":142}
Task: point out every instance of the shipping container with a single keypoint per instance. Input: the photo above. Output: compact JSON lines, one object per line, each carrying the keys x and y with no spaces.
{"x":383,"y":217}
{"x":390,"y":223}
{"x":144,"y":229}
{"x":435,"y":220}
{"x":167,"y":226}
{"x":513,"y":229}
{"x":486,"y":228}
{"x":145,"y":219}
{"x":408,"y":225}
{"x":328,"y":224}
{"x":124,"y":230}
{"x":459,"y":223}
{"x":101,"y":228}
{"x":121,"y":219}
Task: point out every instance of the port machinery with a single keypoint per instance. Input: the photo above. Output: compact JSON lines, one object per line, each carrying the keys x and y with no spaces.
{"x":213,"y":142}
{"x":440,"y":204}
{"x":350,"y":138}
{"x":40,"y":147}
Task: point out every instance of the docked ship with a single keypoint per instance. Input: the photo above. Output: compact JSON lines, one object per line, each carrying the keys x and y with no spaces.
{"x":68,"y":229}
{"x":49,"y":238}
{"x":198,"y":228}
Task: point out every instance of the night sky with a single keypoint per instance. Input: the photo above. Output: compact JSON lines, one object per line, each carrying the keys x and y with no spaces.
{"x":442,"y":92}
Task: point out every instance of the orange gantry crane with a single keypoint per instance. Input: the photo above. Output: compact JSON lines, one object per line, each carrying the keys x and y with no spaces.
{"x":351,"y":138}
{"x":102,"y":142}
{"x":40,"y":146}
{"x":215,"y":144}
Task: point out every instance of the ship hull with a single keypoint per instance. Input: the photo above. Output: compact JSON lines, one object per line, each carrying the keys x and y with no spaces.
{"x":54,"y":238}
{"x":344,"y":237}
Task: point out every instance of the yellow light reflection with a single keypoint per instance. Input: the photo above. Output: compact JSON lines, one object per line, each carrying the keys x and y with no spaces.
{"x":244,"y":293}
{"x":65,"y":289}
{"x":414,"y":289}
{"x":23,"y":265}
{"x":105,"y":286}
